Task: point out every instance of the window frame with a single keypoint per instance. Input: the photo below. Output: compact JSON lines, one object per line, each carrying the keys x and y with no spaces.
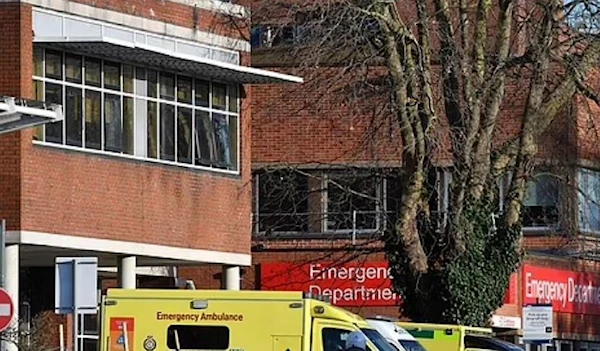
{"x":380,"y":204}
{"x":322,"y":179}
{"x":583,"y":198}
{"x":140,"y":132}
{"x":548,"y":227}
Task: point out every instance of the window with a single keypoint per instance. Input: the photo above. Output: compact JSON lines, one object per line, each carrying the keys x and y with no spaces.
{"x":88,"y":332}
{"x":192,"y":337}
{"x":540,"y":204}
{"x":334,"y":339}
{"x":340,"y":202}
{"x":589,"y":200}
{"x":487,"y":343}
{"x":378,"y":340}
{"x":352,"y":201}
{"x":134,"y":111}
{"x":282,"y":201}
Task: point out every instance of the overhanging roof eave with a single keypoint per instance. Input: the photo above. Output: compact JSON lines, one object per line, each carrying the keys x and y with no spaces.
{"x":110,"y":48}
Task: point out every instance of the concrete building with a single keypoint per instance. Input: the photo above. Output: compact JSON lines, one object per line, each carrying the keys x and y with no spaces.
{"x":150,"y":168}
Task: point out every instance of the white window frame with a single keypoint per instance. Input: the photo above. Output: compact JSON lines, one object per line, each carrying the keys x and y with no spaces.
{"x":136,"y":129}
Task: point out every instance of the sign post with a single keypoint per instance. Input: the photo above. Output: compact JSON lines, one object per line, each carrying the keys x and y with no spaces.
{"x":538,"y":324}
{"x":76,"y":289}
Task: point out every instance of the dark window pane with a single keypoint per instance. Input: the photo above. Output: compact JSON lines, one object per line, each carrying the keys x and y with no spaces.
{"x":152,"y":82}
{"x":92,"y":72}
{"x":184,"y":135}
{"x":205,"y":140}
{"x":54,"y":131}
{"x":184,"y":89}
{"x":347,"y":193}
{"x":73,"y":68}
{"x":112,"y":123}
{"x":112,"y":75}
{"x":167,"y":132}
{"x":334,"y":339}
{"x":222,"y":140}
{"x":540,"y":202}
{"x":89,"y":344}
{"x":233,"y":98}
{"x":167,"y":86}
{"x":128,"y":131}
{"x":283,"y":201}
{"x":193,"y":337}
{"x":141,"y":87}
{"x":38,"y":61}
{"x":73,"y":116}
{"x":54,"y":64}
{"x":219,"y":96}
{"x":233,"y":141}
{"x":152,"y":129}
{"x":93,"y":119}
{"x":202,"y":93}
{"x":128,"y":79}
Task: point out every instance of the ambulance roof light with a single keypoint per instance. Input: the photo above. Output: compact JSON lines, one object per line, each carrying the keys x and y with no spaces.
{"x":324,"y":298}
{"x":383,"y":318}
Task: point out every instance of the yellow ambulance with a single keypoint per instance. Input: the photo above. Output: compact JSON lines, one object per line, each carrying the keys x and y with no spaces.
{"x":151,"y":319}
{"x":441,"y":337}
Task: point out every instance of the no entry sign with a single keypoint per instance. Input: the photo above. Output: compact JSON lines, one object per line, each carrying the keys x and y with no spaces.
{"x":6,"y":310}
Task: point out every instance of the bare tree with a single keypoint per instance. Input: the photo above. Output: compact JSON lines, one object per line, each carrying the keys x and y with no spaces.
{"x":448,"y":74}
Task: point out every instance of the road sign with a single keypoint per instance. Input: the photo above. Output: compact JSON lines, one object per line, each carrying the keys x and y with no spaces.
{"x":537,"y":324}
{"x":6,"y":310}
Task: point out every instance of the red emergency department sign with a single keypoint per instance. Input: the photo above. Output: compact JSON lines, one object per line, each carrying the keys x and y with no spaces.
{"x":351,"y":284}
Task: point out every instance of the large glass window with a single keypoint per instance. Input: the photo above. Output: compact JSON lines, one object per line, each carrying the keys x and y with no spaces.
{"x":129,"y":110}
{"x":305,"y":201}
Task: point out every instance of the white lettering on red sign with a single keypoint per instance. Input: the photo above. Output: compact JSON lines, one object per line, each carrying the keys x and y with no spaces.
{"x":358,"y":274}
{"x":563,"y":292}
{"x":568,"y":291}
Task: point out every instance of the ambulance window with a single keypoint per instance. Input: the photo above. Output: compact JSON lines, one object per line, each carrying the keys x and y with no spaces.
{"x":334,"y":339}
{"x":193,"y":337}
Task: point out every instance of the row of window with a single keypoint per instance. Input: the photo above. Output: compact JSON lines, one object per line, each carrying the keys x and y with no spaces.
{"x":123,"y":109}
{"x":286,"y":201}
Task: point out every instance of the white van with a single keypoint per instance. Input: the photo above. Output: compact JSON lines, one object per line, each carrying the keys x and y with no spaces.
{"x":395,"y":335}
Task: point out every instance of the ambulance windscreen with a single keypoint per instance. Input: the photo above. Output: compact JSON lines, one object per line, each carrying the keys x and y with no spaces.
{"x":197,"y":337}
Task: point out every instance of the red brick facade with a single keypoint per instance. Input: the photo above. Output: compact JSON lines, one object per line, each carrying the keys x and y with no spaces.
{"x":50,"y":190}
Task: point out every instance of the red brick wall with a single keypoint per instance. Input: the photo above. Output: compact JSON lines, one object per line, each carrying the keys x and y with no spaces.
{"x":314,"y":122}
{"x":15,"y":80}
{"x":70,"y":192}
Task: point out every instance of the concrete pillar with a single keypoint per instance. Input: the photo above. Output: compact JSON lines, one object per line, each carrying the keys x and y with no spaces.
{"x":12,"y":286}
{"x":127,"y":268}
{"x":231,"y":277}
